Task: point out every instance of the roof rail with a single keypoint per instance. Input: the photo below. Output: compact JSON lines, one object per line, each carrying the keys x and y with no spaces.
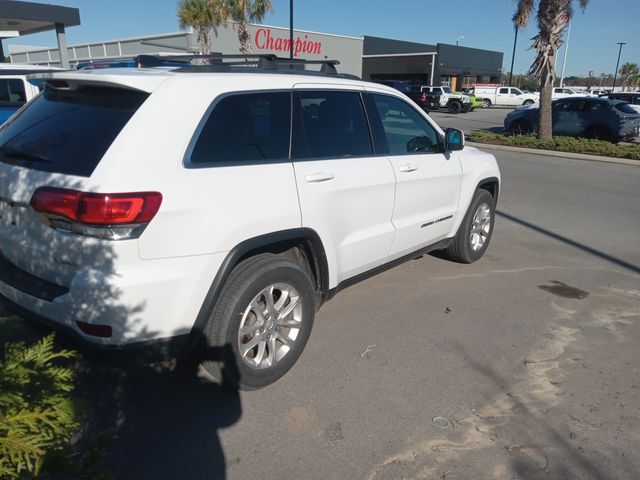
{"x":219,"y":62}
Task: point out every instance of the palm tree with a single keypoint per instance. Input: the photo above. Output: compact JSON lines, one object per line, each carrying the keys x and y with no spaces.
{"x":244,"y":12}
{"x":629,"y":72}
{"x":552,"y":18}
{"x":204,"y":16}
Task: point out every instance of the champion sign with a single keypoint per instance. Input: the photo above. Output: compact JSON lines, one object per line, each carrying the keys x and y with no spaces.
{"x":264,"y":40}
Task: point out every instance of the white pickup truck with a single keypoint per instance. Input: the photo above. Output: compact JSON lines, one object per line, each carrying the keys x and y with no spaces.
{"x":504,"y":96}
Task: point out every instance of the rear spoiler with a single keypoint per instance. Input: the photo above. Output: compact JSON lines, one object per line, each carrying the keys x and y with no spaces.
{"x":73,"y":80}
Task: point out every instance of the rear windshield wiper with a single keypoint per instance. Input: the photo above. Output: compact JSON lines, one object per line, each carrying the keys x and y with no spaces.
{"x":23,"y":155}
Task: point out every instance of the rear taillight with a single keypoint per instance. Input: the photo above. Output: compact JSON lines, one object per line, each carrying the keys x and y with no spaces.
{"x":423,"y":97}
{"x":114,"y":216}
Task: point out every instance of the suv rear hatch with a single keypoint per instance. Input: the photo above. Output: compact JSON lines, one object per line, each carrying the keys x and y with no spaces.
{"x":57,"y":141}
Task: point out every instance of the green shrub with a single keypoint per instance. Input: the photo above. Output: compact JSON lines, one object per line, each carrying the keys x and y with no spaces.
{"x":37,"y":415}
{"x":559,"y":143}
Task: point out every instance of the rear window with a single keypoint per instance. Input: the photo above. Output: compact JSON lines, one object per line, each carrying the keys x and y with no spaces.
{"x":625,"y":108}
{"x":12,"y":90}
{"x":68,"y":132}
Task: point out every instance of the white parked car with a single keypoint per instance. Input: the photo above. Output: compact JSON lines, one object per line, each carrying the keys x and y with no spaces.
{"x":564,"y":92}
{"x":224,"y":205}
{"x":15,"y":90}
{"x":504,"y":96}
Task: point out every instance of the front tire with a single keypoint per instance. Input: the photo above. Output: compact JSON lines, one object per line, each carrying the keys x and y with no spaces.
{"x":475,"y":231}
{"x":521,"y":127}
{"x":527,"y":103}
{"x":261,"y":322}
{"x":455,"y":107}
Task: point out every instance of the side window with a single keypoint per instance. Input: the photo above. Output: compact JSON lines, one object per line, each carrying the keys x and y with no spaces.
{"x":12,"y":90}
{"x":246,"y":127}
{"x":504,"y":90}
{"x":593,"y":106}
{"x":515,"y":91}
{"x":405,"y":130}
{"x":329,"y":124}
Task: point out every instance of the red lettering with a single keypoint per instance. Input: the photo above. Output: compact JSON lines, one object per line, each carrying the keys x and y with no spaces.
{"x":269,"y":40}
{"x":265,"y":41}
{"x":259,"y":34}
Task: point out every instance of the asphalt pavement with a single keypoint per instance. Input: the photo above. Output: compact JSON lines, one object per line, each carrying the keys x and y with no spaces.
{"x":523,"y":365}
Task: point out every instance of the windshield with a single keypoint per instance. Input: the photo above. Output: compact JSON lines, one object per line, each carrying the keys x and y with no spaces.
{"x":446,"y":89}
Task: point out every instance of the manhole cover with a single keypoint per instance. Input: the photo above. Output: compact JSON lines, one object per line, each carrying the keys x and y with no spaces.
{"x":441,"y":422}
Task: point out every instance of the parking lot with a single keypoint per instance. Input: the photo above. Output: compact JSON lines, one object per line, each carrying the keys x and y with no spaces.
{"x":530,"y":355}
{"x":489,"y":119}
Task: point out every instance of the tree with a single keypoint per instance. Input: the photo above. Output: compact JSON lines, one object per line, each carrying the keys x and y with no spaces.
{"x":629,"y":72}
{"x":204,"y":16}
{"x":552,"y":17}
{"x":244,"y":12}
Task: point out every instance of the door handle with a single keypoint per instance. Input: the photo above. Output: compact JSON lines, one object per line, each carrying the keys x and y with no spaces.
{"x":319,"y":177}
{"x":408,"y":168}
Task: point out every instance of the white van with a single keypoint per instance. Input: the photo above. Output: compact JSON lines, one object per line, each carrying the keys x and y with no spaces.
{"x":504,"y":96}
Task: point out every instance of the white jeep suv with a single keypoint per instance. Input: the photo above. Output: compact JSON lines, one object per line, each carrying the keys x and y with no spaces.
{"x":223,"y":205}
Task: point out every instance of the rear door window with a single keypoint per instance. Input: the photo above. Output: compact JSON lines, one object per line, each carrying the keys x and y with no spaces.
{"x":68,"y":132}
{"x":330,"y":124}
{"x":245,"y":128}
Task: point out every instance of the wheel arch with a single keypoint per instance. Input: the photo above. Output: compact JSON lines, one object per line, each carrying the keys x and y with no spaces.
{"x":492,"y":185}
{"x":305,"y":240}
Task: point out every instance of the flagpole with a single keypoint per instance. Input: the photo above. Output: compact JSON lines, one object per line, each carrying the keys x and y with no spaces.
{"x":566,"y":49}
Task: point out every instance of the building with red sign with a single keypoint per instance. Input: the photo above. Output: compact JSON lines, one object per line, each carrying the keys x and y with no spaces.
{"x":372,"y":58}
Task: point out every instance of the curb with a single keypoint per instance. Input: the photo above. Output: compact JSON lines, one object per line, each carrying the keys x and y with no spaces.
{"x":553,"y":153}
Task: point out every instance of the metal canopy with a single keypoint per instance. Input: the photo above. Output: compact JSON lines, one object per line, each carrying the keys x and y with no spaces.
{"x":23,"y":18}
{"x":26,"y":17}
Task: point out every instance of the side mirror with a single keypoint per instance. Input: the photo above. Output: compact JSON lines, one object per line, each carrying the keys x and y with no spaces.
{"x":453,"y":139}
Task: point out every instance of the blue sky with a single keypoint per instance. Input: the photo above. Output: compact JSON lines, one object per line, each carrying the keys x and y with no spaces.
{"x":483,"y":23}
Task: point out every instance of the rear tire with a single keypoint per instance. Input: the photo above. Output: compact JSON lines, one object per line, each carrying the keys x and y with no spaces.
{"x":475,"y":231}
{"x":599,"y":132}
{"x":260,"y":324}
{"x":486,"y":102}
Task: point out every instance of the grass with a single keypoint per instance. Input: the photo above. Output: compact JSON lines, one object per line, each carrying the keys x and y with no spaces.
{"x":559,"y":143}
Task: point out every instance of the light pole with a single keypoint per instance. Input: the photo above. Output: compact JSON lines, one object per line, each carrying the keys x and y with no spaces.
{"x":513,"y":55}
{"x":615,"y":75}
{"x":291,"y":29}
{"x":461,"y":37}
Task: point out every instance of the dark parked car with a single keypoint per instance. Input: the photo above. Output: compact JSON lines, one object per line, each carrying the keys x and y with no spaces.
{"x":601,"y":118}
{"x":632,"y":98}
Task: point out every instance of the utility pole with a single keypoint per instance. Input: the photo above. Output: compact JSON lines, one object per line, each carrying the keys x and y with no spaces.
{"x":615,"y":75}
{"x":513,"y":55}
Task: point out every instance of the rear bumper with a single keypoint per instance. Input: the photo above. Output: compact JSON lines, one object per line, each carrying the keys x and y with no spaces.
{"x":149,"y":350}
{"x":143,"y":302}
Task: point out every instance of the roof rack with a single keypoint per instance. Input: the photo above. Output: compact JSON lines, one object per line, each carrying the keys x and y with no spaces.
{"x":217,"y":62}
